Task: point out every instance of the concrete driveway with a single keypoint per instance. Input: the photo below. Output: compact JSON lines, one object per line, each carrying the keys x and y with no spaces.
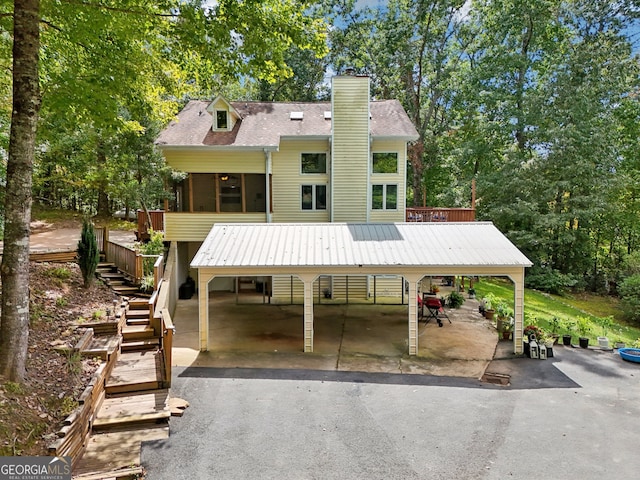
{"x":574,"y":416}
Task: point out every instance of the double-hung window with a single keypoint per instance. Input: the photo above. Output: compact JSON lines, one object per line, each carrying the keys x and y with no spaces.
{"x":384,"y":197}
{"x":314,"y":197}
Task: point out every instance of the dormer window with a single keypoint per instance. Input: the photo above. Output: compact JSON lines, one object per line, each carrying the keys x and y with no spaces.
{"x":222,"y":120}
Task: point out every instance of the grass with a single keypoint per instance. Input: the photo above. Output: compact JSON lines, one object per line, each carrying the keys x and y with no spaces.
{"x":541,"y":309}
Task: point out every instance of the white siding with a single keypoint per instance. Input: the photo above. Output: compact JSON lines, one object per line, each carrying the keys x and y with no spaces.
{"x":288,"y":179}
{"x":216,"y":161}
{"x":350,"y":147}
{"x":194,"y":227}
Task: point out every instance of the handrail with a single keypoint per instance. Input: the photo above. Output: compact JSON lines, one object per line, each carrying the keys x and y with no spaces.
{"x":126,"y":260}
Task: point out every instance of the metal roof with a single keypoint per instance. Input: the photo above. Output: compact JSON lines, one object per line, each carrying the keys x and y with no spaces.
{"x":297,"y":245}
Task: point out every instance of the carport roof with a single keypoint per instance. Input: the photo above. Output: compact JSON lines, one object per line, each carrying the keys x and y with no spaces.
{"x":473,"y":244}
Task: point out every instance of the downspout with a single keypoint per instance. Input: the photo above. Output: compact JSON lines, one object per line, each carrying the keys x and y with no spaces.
{"x":267,"y":197}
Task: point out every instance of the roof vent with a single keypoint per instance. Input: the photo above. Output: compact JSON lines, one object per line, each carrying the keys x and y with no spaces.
{"x":295,"y":115}
{"x":327,"y":115}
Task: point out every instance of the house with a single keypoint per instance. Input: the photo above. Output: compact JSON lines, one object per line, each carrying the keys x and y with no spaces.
{"x":271,"y":174}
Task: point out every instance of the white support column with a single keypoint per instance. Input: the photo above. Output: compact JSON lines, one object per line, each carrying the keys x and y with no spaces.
{"x":518,"y":310}
{"x":203,"y":310}
{"x":308,"y":313}
{"x":413,"y":314}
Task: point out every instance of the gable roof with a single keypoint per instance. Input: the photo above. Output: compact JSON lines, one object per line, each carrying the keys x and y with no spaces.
{"x":263,"y":124}
{"x":343,"y":245}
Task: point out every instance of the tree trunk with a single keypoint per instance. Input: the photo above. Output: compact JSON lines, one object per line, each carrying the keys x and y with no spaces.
{"x":415,"y":152}
{"x":103,"y":196}
{"x":14,"y":325}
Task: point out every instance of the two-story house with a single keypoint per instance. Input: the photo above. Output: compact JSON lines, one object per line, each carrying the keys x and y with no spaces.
{"x":307,"y":199}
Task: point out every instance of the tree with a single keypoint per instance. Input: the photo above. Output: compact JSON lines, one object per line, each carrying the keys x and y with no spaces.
{"x":14,"y":323}
{"x":105,"y":58}
{"x":88,"y":254}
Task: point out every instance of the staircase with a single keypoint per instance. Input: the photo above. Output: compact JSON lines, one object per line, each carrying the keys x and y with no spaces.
{"x":116,"y":279}
{"x":135,"y":407}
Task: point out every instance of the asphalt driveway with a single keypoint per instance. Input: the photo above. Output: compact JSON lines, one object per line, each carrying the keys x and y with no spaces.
{"x":573,"y":416}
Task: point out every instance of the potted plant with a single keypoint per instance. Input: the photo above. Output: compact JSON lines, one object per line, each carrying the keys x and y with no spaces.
{"x":434,"y":289}
{"x":605,"y":323}
{"x":327,"y":293}
{"x":554,"y":324}
{"x":504,"y":313}
{"x":569,"y":326}
{"x":584,"y":327}
{"x":507,"y":327}
{"x":471,"y":292}
{"x":488,"y":302}
{"x":455,"y":300}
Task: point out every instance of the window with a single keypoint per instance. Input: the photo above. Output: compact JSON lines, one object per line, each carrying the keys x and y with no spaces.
{"x":385,"y":162}
{"x":314,"y":197}
{"x":313,"y":163}
{"x":384,"y":197}
{"x":222,"y":122}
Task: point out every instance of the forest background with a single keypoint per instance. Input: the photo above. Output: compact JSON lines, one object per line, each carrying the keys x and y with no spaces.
{"x":535,"y":101}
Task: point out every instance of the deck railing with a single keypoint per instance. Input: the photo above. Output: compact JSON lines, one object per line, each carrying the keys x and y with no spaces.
{"x":433,"y":214}
{"x":159,"y":312}
{"x":157,"y":223}
{"x":126,"y":260}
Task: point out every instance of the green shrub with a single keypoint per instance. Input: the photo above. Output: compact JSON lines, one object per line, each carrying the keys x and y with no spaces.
{"x":549,"y":280}
{"x":630,"y":298}
{"x":455,"y":300}
{"x":88,"y":254}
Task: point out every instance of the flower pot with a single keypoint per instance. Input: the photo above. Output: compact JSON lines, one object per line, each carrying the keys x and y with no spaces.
{"x":488,"y":314}
{"x":603,"y":342}
{"x":584,"y":342}
{"x":506,"y":335}
{"x":620,"y":345}
{"x":566,"y":340}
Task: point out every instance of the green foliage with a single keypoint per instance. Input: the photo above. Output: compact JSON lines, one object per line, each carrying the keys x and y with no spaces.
{"x":88,"y":254}
{"x":455,"y":300}
{"x":61,"y":273}
{"x":155,"y":246}
{"x":630,"y":298}
{"x":549,"y":280}
{"x":583,"y":325}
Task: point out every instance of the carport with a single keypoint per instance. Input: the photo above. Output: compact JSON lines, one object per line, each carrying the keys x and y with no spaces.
{"x":410,"y":250}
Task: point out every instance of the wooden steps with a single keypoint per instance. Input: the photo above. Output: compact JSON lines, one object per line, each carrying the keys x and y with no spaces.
{"x":137,"y":408}
{"x":136,"y":371}
{"x":102,"y":346}
{"x":134,"y":407}
{"x":137,"y":345}
{"x":109,"y":453}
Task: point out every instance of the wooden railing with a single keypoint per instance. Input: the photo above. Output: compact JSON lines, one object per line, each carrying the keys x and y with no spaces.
{"x":432,"y":214}
{"x":126,"y":260}
{"x":102,"y":237}
{"x":157,"y":223}
{"x":161,"y":317}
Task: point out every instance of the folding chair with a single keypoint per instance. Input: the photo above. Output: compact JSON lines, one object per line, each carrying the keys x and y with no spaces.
{"x":434,"y":310}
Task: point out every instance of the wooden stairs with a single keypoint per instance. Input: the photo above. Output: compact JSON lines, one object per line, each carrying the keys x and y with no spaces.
{"x":115,"y":279}
{"x":135,"y":407}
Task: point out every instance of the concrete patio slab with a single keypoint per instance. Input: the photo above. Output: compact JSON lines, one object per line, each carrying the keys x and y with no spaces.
{"x":350,"y":338}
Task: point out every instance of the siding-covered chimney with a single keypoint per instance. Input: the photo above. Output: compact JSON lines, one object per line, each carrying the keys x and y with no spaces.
{"x":350,"y":149}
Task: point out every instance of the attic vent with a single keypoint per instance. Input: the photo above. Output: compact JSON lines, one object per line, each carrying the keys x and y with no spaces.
{"x":327,"y":115}
{"x":296,"y":115}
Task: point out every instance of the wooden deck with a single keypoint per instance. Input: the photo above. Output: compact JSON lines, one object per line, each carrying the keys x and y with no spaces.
{"x":140,"y":407}
{"x":116,"y":451}
{"x":136,"y":371}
